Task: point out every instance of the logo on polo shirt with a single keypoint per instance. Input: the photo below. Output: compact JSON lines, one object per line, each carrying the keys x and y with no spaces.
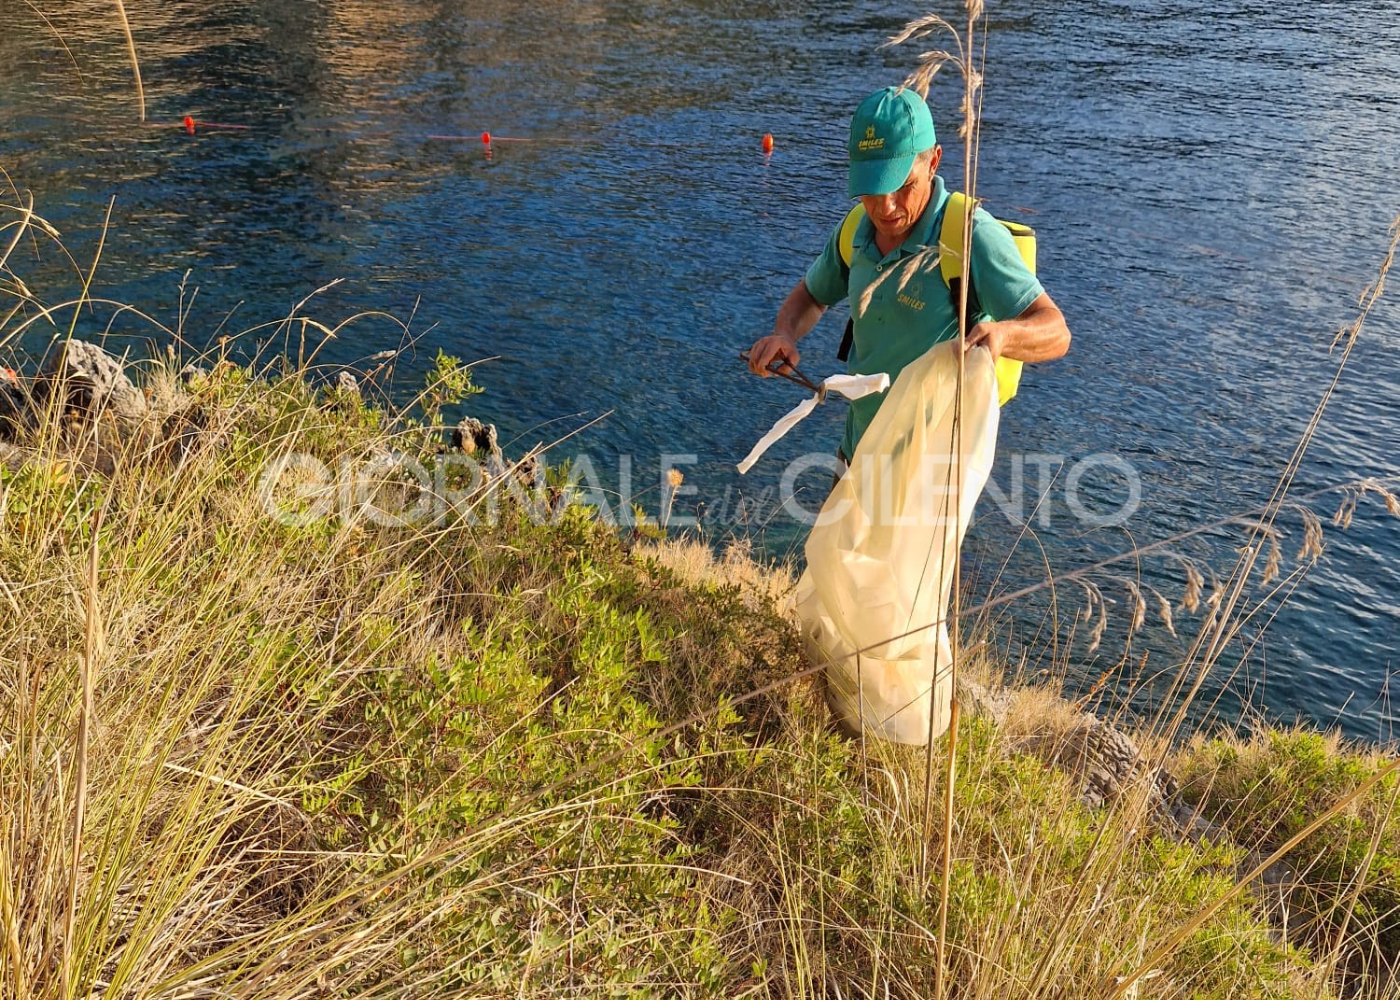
{"x":870,"y":142}
{"x":908,"y":300}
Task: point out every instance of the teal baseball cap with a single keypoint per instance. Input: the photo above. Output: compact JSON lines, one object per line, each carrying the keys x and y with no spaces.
{"x":889,"y":129}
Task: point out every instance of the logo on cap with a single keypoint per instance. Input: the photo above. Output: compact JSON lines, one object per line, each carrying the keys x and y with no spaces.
{"x":870,"y":142}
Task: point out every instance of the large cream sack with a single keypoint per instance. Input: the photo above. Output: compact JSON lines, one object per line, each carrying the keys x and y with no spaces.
{"x":880,"y":558}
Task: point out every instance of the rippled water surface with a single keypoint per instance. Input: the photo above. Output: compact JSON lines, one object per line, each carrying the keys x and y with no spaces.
{"x":1211,"y":184}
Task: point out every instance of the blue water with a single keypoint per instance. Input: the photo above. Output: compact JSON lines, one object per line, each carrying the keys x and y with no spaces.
{"x":1211,"y":183}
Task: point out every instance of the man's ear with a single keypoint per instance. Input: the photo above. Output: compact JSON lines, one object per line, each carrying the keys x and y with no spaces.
{"x":937,"y":158}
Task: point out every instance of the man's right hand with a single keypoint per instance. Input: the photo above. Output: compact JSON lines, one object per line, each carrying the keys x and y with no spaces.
{"x":774,"y":347}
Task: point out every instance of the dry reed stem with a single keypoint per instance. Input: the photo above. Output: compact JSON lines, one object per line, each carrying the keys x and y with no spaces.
{"x":969,"y":131}
{"x":9,"y":916}
{"x":135,"y":62}
{"x":89,"y":666}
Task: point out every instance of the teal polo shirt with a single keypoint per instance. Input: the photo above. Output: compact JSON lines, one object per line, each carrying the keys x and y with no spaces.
{"x":899,"y":301}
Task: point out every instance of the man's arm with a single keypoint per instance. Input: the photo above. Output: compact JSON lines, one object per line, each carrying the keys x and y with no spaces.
{"x":796,"y":317}
{"x":1038,"y":334}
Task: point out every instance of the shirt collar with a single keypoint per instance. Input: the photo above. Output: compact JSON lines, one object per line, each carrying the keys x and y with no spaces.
{"x":922,"y":236}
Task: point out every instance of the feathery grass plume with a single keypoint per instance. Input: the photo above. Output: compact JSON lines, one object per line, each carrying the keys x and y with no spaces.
{"x":1311,"y":548}
{"x":1217,"y":592}
{"x":1139,"y":615}
{"x":1095,"y":600}
{"x":1392,"y":502}
{"x":1274,"y":560}
{"x":674,"y":479}
{"x":930,"y":62}
{"x":1346,"y":509}
{"x":1090,"y":596}
{"x":1366,"y":301}
{"x":1195,"y":583}
{"x":1164,"y":610}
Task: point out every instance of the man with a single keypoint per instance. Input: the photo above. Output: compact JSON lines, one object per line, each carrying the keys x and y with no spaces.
{"x":900,"y":304}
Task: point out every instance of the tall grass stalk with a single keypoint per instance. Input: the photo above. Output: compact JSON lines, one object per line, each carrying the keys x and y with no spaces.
{"x":90,"y":662}
{"x":135,"y":62}
{"x":921,"y":79}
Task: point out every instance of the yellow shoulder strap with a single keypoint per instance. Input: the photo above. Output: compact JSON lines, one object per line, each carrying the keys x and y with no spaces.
{"x":847,"y":240}
{"x":950,"y":238}
{"x":950,"y":246}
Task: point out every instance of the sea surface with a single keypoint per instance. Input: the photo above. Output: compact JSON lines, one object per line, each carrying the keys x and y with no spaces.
{"x":1211,"y":183}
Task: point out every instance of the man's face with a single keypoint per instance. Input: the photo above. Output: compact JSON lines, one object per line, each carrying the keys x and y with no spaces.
{"x":894,"y":214}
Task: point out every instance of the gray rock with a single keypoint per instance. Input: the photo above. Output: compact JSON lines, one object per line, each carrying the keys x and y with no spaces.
{"x":92,"y":384}
{"x":1108,"y":763}
{"x":979,"y":700}
{"x":11,"y":457}
{"x":347,"y":383}
{"x":472,"y":437}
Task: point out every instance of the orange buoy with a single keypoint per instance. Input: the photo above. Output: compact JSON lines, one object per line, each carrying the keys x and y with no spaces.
{"x":486,"y":138}
{"x":767,"y":142}
{"x":189,"y":124}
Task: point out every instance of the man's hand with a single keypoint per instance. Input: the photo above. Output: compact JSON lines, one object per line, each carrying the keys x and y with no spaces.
{"x":774,"y":347}
{"x":796,"y":317}
{"x":1038,"y":334}
{"x":990,"y":335}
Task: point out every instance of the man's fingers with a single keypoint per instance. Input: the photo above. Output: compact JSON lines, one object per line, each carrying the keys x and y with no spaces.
{"x":788,"y":359}
{"x":762,"y":359}
{"x":756,"y":358}
{"x":767,"y":351}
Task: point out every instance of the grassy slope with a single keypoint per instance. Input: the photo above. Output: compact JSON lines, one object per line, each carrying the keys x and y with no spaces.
{"x":504,"y":759}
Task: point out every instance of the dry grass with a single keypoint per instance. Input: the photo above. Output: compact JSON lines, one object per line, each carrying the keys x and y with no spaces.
{"x":470,"y":762}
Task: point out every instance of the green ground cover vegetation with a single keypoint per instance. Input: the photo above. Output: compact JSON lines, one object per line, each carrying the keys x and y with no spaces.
{"x":514,"y":758}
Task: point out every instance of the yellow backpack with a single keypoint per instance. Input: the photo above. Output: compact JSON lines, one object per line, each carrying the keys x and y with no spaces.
{"x":950,"y":243}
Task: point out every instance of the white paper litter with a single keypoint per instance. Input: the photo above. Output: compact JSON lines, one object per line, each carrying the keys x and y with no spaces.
{"x":850,"y":386}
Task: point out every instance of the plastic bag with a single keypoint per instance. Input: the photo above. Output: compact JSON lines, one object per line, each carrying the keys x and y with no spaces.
{"x":880,"y":558}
